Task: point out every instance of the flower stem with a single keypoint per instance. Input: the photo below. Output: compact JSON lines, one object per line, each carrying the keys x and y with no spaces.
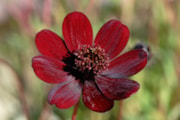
{"x":120,"y":110}
{"x":75,"y":111}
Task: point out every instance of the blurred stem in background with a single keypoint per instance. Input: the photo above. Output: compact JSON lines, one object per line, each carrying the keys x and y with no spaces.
{"x":46,"y":14}
{"x":20,"y":87}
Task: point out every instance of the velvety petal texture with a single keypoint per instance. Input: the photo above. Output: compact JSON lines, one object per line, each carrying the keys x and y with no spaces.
{"x":48,"y":69}
{"x":116,"y":89}
{"x":65,"y":94}
{"x":50,"y":44}
{"x":77,"y":30}
{"x":77,"y":69}
{"x":127,"y":64}
{"x":94,"y":99}
{"x":113,"y":37}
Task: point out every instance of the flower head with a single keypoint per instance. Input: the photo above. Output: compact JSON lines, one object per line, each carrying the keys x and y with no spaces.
{"x":80,"y":66}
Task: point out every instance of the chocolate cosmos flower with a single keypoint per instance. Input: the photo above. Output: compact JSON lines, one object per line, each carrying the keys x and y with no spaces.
{"x":79,"y":65}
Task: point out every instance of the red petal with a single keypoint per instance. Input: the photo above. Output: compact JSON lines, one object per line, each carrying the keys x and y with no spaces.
{"x":77,"y":30}
{"x":65,"y":95}
{"x":116,"y":89}
{"x":127,"y":64}
{"x":94,"y":99}
{"x":113,"y":37}
{"x":49,"y":70}
{"x":50,"y":44}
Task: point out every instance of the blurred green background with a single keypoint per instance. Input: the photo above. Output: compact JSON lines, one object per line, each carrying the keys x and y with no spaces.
{"x":154,"y":22}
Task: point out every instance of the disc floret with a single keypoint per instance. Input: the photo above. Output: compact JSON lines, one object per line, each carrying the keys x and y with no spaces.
{"x":91,"y":58}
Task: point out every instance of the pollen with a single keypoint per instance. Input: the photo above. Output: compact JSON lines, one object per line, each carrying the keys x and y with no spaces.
{"x":91,"y":59}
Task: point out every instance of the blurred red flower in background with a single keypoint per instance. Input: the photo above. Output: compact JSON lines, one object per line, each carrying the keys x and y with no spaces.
{"x":80,"y":66}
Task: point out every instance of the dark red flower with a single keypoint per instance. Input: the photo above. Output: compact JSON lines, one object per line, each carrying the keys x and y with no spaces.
{"x":80,"y":66}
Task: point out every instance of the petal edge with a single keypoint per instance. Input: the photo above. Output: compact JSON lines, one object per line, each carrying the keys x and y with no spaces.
{"x":77,"y":30}
{"x":49,"y":69}
{"x":94,"y":99}
{"x":127,"y":64}
{"x":113,"y":37}
{"x":50,"y":44}
{"x":117,"y":89}
{"x":66,"y":94}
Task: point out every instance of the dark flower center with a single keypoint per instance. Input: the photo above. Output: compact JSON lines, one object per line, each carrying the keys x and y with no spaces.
{"x":86,"y":62}
{"x":91,"y":58}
